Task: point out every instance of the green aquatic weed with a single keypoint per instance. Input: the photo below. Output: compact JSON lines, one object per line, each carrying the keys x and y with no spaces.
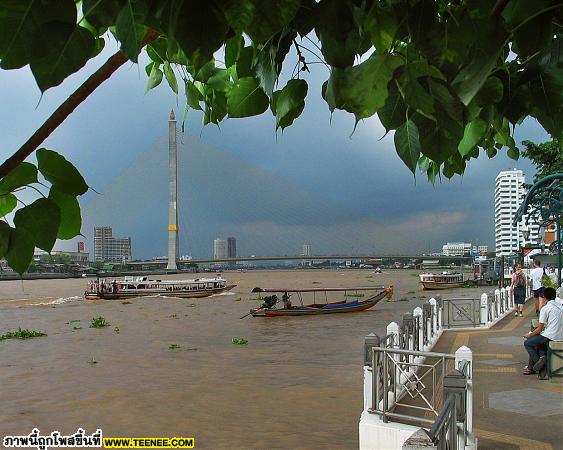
{"x":239,"y":341}
{"x":99,"y":322}
{"x":21,"y":334}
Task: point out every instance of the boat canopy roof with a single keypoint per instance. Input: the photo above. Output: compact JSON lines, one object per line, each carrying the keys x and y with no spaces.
{"x":145,"y":280}
{"x":330,"y":289}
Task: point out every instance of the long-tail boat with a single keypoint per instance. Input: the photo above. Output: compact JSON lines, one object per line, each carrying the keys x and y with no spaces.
{"x":321,"y":304}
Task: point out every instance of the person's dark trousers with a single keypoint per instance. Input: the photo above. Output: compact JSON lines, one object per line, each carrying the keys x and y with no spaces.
{"x":536,"y":345}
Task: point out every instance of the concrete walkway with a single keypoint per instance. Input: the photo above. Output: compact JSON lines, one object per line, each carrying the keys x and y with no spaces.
{"x":511,"y":410}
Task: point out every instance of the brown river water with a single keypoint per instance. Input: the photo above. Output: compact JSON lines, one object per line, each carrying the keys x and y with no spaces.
{"x":297,"y":384}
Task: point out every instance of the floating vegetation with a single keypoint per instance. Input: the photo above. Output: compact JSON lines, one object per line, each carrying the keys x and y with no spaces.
{"x":76,"y":328}
{"x":238,"y":299}
{"x":411,"y":292}
{"x":354,"y":294}
{"x":21,"y":334}
{"x":126,"y":303}
{"x":92,"y":361}
{"x":99,"y":322}
{"x":316,"y":282}
{"x":72,"y":321}
{"x":239,"y":341}
{"x":116,"y":329}
{"x":174,"y":316}
{"x":173,"y":347}
{"x":259,"y":298}
{"x":404,"y":299}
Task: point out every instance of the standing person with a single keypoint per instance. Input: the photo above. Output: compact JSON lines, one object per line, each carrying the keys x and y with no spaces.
{"x":550,"y":328}
{"x":519,"y":290}
{"x":535,"y":275}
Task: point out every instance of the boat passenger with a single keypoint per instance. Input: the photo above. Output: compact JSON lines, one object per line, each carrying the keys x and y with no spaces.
{"x":286,"y":301}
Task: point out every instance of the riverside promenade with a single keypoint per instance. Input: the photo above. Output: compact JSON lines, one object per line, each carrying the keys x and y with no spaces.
{"x":510,"y":410}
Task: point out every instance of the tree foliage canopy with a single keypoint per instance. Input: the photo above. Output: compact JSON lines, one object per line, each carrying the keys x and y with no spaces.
{"x":450,"y":78}
{"x":547,"y":157}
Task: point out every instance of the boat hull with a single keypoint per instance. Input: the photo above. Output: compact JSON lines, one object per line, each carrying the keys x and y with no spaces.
{"x":156,"y":293}
{"x":434,"y":285}
{"x":313,"y":310}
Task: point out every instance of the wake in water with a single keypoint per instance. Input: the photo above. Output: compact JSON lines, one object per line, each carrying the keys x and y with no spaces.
{"x":59,"y":301}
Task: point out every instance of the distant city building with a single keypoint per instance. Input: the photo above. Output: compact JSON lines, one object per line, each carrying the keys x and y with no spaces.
{"x":219,"y":249}
{"x":306,"y":250}
{"x":482,"y":249}
{"x":456,"y":249}
{"x":74,"y":257}
{"x":509,"y":194}
{"x":231,"y":247}
{"x":110,"y":249}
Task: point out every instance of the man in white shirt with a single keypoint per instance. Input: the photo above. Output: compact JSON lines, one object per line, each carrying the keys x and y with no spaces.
{"x":550,"y":328}
{"x":535,"y":275}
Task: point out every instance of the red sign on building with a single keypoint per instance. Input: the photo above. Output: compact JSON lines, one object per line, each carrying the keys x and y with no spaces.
{"x":81,"y":246}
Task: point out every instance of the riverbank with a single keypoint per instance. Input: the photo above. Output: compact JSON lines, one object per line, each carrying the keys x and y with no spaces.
{"x":167,"y":367}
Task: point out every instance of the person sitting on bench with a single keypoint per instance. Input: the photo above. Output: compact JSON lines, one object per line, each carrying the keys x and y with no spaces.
{"x":550,"y":328}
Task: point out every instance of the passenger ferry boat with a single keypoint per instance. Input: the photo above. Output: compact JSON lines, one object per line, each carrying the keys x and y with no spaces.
{"x":130,"y":287}
{"x":445,"y":280}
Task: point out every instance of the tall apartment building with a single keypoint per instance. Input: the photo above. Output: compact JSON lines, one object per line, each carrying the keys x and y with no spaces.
{"x":509,"y":194}
{"x":306,"y":250}
{"x":219,"y":249}
{"x":231,"y":247}
{"x":110,"y":249}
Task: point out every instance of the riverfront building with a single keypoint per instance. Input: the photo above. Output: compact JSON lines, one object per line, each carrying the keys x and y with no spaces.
{"x":463,"y":249}
{"x":231,"y":247}
{"x":509,"y":194}
{"x":219,"y":249}
{"x":110,"y":249}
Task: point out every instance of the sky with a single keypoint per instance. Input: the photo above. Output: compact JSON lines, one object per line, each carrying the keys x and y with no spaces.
{"x":316,"y":182}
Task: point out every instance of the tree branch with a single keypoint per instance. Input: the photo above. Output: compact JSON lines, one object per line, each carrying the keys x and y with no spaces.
{"x":68,"y":106}
{"x":498,"y":8}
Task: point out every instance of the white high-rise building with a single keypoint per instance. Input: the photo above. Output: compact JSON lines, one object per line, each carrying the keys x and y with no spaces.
{"x":219,"y":249}
{"x":306,"y":250}
{"x":509,"y":194}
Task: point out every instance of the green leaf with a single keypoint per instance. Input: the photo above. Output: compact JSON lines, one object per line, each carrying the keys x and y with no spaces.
{"x":270,"y":17}
{"x":338,"y":33}
{"x":20,"y":251}
{"x":382,"y":26}
{"x":239,"y":13}
{"x":4,"y":238}
{"x":407,"y":144}
{"x":170,"y":77}
{"x":155,"y":78}
{"x":20,"y":26}
{"x":61,"y":173}
{"x":392,"y":114}
{"x":23,"y":174}
{"x":474,"y":132}
{"x":245,"y":63}
{"x":129,"y":28}
{"x":63,"y":50}
{"x":414,"y":93}
{"x":7,"y":203}
{"x":71,"y":220}
{"x":101,"y":13}
{"x":41,"y":220}
{"x":200,"y":28}
{"x":233,"y":47}
{"x":193,"y":96}
{"x":492,"y":91}
{"x":246,"y":98}
{"x":513,"y":153}
{"x":266,"y":68}
{"x":219,"y":81}
{"x":485,"y":51}
{"x":362,"y":89}
{"x":289,"y":102}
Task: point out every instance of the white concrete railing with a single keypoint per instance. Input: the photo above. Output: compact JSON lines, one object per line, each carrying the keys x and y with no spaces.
{"x":419,"y":333}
